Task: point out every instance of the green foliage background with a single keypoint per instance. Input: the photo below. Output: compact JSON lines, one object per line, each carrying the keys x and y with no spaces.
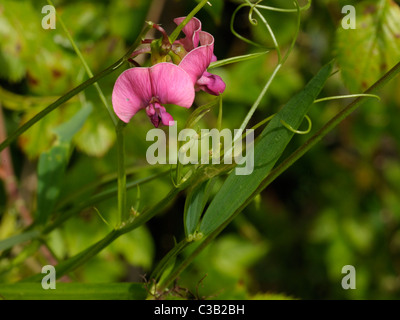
{"x":338,"y":205}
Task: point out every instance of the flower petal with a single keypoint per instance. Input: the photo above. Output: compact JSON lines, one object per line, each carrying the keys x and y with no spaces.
{"x":211,"y":83}
{"x":132,"y":92}
{"x":196,"y":62}
{"x":157,"y":112}
{"x":191,"y":30}
{"x":166,"y":118}
{"x":152,"y":114}
{"x":171,"y":84}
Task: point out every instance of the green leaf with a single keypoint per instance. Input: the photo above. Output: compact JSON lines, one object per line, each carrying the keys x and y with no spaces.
{"x":67,"y":130}
{"x":367,"y":52}
{"x":195,"y":204}
{"x":52,"y":165}
{"x":271,"y":143}
{"x":74,"y":291}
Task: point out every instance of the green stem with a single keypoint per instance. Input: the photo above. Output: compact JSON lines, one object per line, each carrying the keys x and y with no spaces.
{"x":163,"y":264}
{"x":220,"y":110}
{"x":122,"y":209}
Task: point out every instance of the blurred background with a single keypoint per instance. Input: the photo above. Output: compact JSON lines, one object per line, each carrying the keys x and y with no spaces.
{"x":338,"y":205}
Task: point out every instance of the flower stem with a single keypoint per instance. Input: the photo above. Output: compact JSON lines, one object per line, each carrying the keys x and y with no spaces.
{"x":122,"y":209}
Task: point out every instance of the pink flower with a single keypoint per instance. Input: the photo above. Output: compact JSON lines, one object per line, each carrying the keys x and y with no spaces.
{"x":149,"y":89}
{"x":196,"y":62}
{"x":168,"y":83}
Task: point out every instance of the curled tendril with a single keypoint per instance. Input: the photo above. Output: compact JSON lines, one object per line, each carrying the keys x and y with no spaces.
{"x":254,"y":9}
{"x":236,"y":34}
{"x":289,"y":127}
{"x":253,"y":21}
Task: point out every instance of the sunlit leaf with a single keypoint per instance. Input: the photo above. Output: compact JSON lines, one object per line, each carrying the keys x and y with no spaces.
{"x":367,"y":52}
{"x":14,"y":47}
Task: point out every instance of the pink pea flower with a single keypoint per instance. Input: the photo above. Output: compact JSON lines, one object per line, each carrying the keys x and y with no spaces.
{"x":196,"y":62}
{"x":168,"y":83}
{"x":149,"y":89}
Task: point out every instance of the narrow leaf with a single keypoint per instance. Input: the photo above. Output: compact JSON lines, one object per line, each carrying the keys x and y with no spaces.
{"x":19,"y":238}
{"x":271,"y":143}
{"x":245,"y":57}
{"x":194,"y":205}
